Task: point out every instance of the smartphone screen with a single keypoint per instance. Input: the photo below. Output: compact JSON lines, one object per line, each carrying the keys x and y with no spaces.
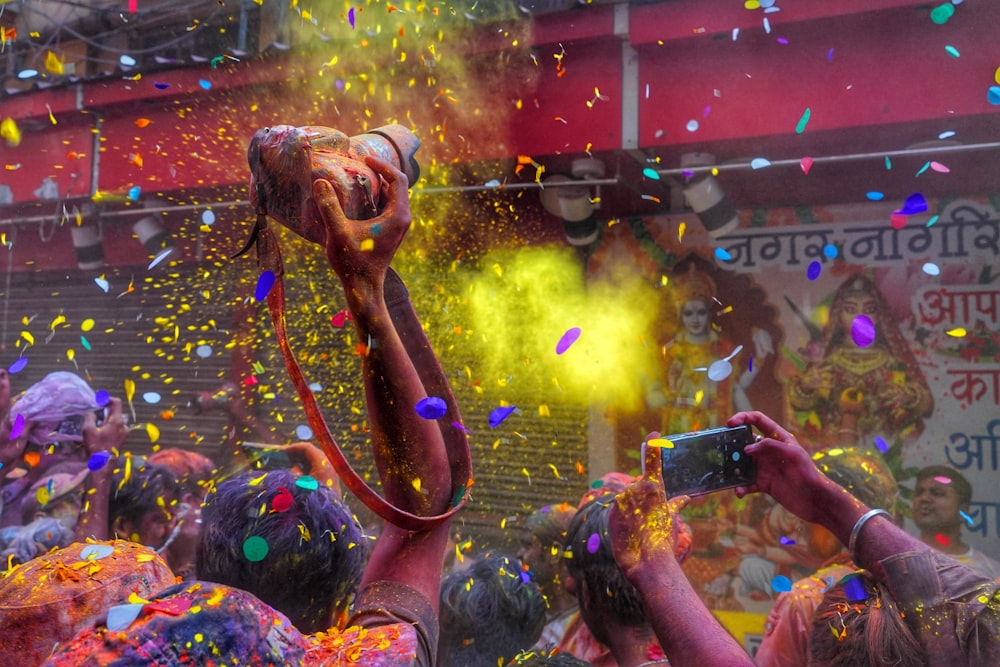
{"x":266,"y":456}
{"x":707,"y":461}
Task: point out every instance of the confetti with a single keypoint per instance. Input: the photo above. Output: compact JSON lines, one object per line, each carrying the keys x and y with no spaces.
{"x":723,"y":255}
{"x":801,"y":127}
{"x":993,"y":95}
{"x":498,"y":415}
{"x":593,"y":543}
{"x":567,"y":340}
{"x":968,"y":519}
{"x":942,"y":13}
{"x":692,"y":125}
{"x":264,"y":284}
{"x":786,"y":541}
{"x":203,"y":351}
{"x":897,"y":220}
{"x":830,"y":251}
{"x":162,"y":255}
{"x":208,"y":217}
{"x":303,"y":432}
{"x":662,"y":443}
{"x":952,"y":51}
{"x":855,"y":589}
{"x":431,"y":407}
{"x":17,"y":428}
{"x":649,"y":172}
{"x":283,"y":500}
{"x":121,"y":616}
{"x":255,"y":548}
{"x":96,"y":551}
{"x":875,"y":195}
{"x":881,"y":444}
{"x":958,"y":332}
{"x":151,"y":397}
{"x":931,"y":269}
{"x":914,"y":204}
{"x":18,"y":366}
{"x":102,"y":397}
{"x":939,"y":168}
{"x":806,"y":164}
{"x":812,"y":273}
{"x":863,"y":331}
{"x":98,"y":460}
{"x":781,"y":584}
{"x":134,"y":193}
{"x":159,"y":85}
{"x":10,"y":132}
{"x":759,"y":163}
{"x":307,"y":482}
{"x":103,"y":284}
{"x":942,"y":539}
{"x":207,"y":85}
{"x":932,"y":220}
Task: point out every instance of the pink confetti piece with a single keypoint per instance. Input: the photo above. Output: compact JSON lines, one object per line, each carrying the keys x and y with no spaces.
{"x":806,"y":164}
{"x":939,"y":168}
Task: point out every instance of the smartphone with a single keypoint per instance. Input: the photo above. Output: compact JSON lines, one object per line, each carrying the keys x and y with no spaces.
{"x":705,"y":461}
{"x":263,"y":455}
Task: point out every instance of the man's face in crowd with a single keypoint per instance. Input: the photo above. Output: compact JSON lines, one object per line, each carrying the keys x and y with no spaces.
{"x":935,"y":505}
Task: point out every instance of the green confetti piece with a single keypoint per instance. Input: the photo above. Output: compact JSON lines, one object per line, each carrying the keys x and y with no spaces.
{"x":952,"y":51}
{"x":801,"y":127}
{"x":85,"y":343}
{"x":307,"y":482}
{"x":942,"y":13}
{"x":255,"y":548}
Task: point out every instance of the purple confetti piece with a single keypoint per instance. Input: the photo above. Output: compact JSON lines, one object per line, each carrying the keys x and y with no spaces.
{"x":17,"y":428}
{"x":264,"y":285}
{"x":525,"y":577}
{"x":863,"y":331}
{"x":881,"y":444}
{"x":159,"y":85}
{"x":786,"y":541}
{"x":431,"y":407}
{"x":500,"y":414}
{"x":750,"y":364}
{"x":812,"y":273}
{"x":350,"y":16}
{"x":567,"y":340}
{"x":102,"y":397}
{"x":461,"y":427}
{"x":18,"y":366}
{"x":593,"y":543}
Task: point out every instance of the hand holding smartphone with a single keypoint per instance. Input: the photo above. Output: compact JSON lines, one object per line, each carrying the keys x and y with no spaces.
{"x":262,"y":455}
{"x":705,"y":461}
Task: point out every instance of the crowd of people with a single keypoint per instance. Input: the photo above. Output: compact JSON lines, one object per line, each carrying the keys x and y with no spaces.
{"x":118,"y":559}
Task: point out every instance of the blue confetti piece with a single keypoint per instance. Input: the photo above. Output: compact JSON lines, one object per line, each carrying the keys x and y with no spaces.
{"x":102,"y":397}
{"x":914,"y":204}
{"x":121,"y":616}
{"x":854,"y":587}
{"x":134,"y":192}
{"x":968,"y":519}
{"x":881,"y":444}
{"x":723,"y":255}
{"x":830,"y":251}
{"x":781,"y":584}
{"x":98,"y":460}
{"x":431,"y":407}
{"x":264,"y":284}
{"x":759,"y":163}
{"x":500,"y":414}
{"x":159,"y":85}
{"x":993,"y":95}
{"x":207,"y":85}
{"x":18,"y":366}
{"x":875,"y":195}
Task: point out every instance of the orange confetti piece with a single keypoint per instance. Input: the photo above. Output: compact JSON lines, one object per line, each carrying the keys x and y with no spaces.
{"x":32,"y":458}
{"x":142,"y":122}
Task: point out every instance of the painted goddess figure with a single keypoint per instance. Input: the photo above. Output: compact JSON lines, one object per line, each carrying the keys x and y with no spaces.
{"x":850,"y":392}
{"x":693,"y":394}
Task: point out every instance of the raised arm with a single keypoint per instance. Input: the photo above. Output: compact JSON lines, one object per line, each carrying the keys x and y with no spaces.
{"x":102,"y":440}
{"x":786,"y":472}
{"x":409,"y":451}
{"x":642,"y":538}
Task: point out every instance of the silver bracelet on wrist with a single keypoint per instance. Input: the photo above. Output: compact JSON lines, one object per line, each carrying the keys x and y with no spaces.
{"x":862,"y":520}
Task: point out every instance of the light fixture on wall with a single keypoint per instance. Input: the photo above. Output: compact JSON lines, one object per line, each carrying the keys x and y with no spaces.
{"x":706,"y":197}
{"x":87,"y":241}
{"x":575,"y":204}
{"x":153,"y":237}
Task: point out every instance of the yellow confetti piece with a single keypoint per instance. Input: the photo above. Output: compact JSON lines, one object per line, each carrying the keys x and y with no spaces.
{"x":87,"y":324}
{"x":957,"y":332}
{"x":662,"y":443}
{"x":26,"y":335}
{"x":10,"y":132}
{"x":134,"y":598}
{"x":52,"y":63}
{"x":257,"y":480}
{"x":57,"y":321}
{"x":71,"y":354}
{"x":555,"y":471}
{"x":681,"y":228}
{"x":129,"y":388}
{"x":367,"y":245}
{"x":153,"y":432}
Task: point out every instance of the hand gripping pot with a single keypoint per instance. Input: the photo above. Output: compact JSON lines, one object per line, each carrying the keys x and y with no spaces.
{"x":285,"y":160}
